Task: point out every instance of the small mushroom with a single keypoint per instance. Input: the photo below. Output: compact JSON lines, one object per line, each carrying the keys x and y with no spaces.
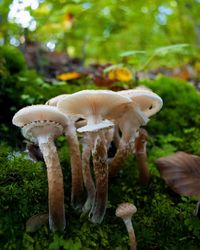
{"x":41,"y":124}
{"x":149,"y":102}
{"x":145,"y":103}
{"x":126,"y":211}
{"x":129,"y":122}
{"x":93,"y":106}
{"x":77,"y":192}
{"x":141,"y":156}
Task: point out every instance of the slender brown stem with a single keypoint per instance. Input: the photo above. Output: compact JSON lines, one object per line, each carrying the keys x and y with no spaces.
{"x":77,"y":192}
{"x":116,"y":136}
{"x":87,"y":177}
{"x":141,"y":156}
{"x":55,"y":185}
{"x":101,"y":177}
{"x":144,"y":174}
{"x":117,"y":161}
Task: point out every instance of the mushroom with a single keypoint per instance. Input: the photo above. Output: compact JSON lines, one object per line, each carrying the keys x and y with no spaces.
{"x":129,"y":122}
{"x":141,"y":156}
{"x":77,"y":192}
{"x":93,"y":106}
{"x":149,"y":102}
{"x":145,"y":103}
{"x":126,"y":211}
{"x":54,"y":101}
{"x":41,"y":124}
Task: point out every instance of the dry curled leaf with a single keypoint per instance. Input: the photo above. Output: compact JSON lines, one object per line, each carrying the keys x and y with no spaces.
{"x":181,"y":172}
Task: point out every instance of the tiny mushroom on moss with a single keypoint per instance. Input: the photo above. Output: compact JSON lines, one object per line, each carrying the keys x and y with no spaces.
{"x":93,"y":106}
{"x":41,"y":124}
{"x":125,"y":211}
{"x":77,"y":193}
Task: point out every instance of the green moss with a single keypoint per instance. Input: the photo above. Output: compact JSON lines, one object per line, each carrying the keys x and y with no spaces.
{"x":164,"y":220}
{"x":23,"y":191}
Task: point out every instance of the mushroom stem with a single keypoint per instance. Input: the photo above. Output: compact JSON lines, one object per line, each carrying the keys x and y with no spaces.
{"x":77,"y":193}
{"x":100,"y":165}
{"x":116,"y":162}
{"x":144,"y":174}
{"x":116,"y":136}
{"x":131,"y":233}
{"x":141,"y":156}
{"x":197,"y":210}
{"x":55,"y":183}
{"x":87,"y":177}
{"x":129,"y":124}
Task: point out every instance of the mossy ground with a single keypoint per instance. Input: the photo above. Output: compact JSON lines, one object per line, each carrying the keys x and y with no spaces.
{"x":164,"y":220}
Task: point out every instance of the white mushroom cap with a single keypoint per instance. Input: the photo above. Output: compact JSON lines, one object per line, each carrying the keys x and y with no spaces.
{"x":87,"y":103}
{"x":40,"y":120}
{"x":125,"y":210}
{"x":36,"y":113}
{"x":54,"y":101}
{"x":148,"y":101}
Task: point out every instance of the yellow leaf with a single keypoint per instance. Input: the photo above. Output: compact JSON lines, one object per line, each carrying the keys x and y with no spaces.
{"x":68,"y":76}
{"x":120,"y":74}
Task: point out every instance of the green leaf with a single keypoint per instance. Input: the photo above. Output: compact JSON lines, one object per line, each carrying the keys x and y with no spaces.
{"x":132,"y":53}
{"x":115,"y":66}
{"x":176,"y":48}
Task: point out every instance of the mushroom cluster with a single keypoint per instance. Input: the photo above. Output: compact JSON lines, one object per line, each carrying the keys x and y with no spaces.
{"x":90,"y":120}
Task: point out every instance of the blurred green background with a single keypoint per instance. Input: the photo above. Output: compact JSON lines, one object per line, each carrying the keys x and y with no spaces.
{"x":100,"y":30}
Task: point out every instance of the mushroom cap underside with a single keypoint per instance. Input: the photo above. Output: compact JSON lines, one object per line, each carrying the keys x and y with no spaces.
{"x":45,"y":129}
{"x":35,"y":113}
{"x":93,"y":128}
{"x":91,"y":102}
{"x":128,"y":114}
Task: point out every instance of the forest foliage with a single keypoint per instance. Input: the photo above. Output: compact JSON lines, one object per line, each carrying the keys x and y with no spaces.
{"x":101,"y":30}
